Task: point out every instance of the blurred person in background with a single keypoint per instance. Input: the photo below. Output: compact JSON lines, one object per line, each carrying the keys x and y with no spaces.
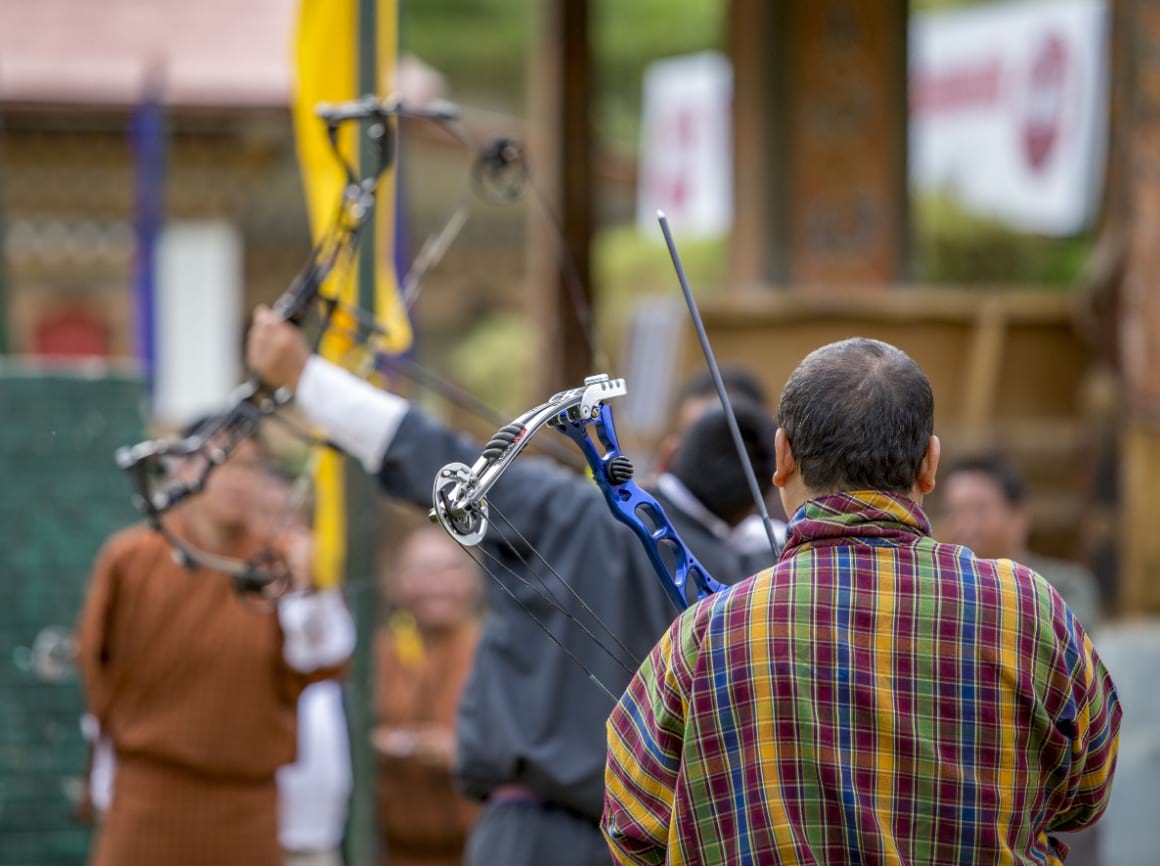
{"x":983,"y":507}
{"x":424,"y":654}
{"x":196,"y":689}
{"x":313,"y":792}
{"x":530,"y":732}
{"x":696,"y":397}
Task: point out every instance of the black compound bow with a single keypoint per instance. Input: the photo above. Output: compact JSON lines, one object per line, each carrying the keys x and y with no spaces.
{"x":499,"y":174}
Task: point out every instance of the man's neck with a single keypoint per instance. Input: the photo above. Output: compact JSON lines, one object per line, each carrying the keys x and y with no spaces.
{"x":795,"y":495}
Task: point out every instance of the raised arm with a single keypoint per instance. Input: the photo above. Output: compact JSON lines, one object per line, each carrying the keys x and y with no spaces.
{"x":400,"y":445}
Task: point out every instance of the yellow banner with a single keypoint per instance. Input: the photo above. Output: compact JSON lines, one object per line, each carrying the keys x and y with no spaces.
{"x":327,"y":63}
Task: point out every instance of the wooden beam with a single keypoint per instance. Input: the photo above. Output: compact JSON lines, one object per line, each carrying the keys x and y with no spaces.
{"x":561,"y":279}
{"x":820,"y":141}
{"x":1139,"y":590}
{"x":984,"y":364}
{"x":1137,"y":139}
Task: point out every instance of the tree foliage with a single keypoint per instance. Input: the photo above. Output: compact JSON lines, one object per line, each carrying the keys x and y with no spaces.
{"x":483,"y":47}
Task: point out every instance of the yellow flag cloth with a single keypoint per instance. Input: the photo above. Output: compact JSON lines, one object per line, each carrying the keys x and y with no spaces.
{"x":327,"y":66}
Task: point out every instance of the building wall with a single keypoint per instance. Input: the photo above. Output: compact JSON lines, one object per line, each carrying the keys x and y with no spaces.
{"x":68,"y":202}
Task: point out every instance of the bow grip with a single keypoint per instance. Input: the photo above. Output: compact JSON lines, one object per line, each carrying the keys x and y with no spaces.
{"x":638,"y":509}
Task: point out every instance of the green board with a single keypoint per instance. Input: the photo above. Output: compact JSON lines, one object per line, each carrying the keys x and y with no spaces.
{"x":61,"y":496}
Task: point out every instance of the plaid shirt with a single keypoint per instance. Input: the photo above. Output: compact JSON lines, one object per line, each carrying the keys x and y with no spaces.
{"x":877,"y":697}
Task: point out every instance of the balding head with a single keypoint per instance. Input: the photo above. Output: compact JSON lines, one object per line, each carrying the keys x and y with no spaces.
{"x":858,"y":415}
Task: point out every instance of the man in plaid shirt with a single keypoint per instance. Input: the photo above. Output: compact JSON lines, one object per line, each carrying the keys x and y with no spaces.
{"x":877,"y":697}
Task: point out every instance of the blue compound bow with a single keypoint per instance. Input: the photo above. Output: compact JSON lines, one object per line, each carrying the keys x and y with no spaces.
{"x":459,"y":492}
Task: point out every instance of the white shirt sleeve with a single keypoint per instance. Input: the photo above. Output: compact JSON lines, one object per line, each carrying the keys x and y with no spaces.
{"x":90,"y":728}
{"x":749,"y":535}
{"x":360,"y":418}
{"x":317,"y":630}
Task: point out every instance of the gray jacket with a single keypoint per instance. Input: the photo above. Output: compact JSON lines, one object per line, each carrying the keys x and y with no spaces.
{"x":529,"y":714}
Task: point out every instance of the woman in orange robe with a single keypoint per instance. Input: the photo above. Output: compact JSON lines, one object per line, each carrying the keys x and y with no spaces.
{"x":424,"y":655}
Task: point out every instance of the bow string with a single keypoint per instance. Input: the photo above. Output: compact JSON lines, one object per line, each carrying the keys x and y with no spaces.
{"x":460,"y":505}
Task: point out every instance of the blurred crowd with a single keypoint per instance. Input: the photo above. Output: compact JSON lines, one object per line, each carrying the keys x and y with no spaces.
{"x":217,"y":724}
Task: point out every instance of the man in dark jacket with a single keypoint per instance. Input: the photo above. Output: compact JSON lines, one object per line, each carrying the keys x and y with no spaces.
{"x":531,"y":723}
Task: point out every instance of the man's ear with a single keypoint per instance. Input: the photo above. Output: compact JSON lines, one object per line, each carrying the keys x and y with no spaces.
{"x":929,"y":466}
{"x":783,"y":459}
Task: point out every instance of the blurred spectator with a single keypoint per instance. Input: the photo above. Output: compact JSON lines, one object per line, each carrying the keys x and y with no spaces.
{"x":196,"y":690}
{"x":424,"y":655}
{"x":984,"y":508}
{"x":699,"y":394}
{"x":696,"y":397}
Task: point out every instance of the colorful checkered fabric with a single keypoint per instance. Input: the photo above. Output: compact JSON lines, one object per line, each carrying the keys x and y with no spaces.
{"x":877,"y":697}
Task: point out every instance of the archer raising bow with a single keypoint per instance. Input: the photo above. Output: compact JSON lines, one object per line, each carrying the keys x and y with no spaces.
{"x":531,"y":722}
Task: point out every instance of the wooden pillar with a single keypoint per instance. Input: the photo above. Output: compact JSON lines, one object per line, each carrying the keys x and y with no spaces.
{"x":3,"y":258}
{"x":363,"y":516}
{"x":757,"y":254}
{"x":820,"y":139}
{"x":560,"y":273}
{"x":1137,"y":136}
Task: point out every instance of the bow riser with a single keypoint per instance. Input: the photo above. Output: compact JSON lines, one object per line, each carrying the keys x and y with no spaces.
{"x":637,"y":509}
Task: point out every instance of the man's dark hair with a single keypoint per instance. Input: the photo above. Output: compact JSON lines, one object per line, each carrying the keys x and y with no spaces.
{"x":1005,"y":476}
{"x":739,"y":384}
{"x":858,"y":416}
{"x":707,"y":463}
